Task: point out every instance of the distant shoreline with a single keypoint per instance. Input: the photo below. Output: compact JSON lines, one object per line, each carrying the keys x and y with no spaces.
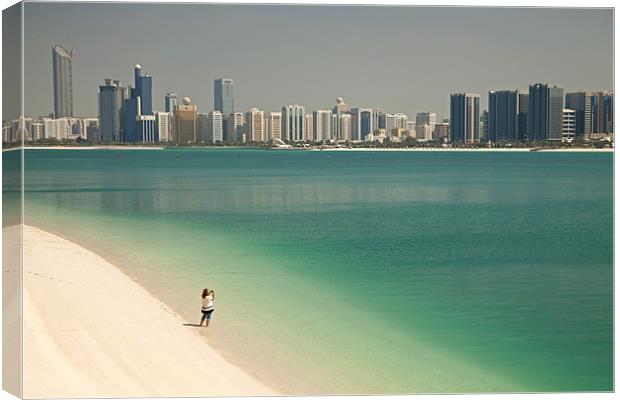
{"x":395,"y":149}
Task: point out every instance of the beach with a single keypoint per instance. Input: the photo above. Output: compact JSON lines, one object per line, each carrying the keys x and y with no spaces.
{"x":91,"y":331}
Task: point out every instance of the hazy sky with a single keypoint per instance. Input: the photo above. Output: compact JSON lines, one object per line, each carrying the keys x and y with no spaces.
{"x":401,"y":59}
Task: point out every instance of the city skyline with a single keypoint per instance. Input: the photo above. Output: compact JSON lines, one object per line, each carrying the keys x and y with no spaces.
{"x":267,"y":87}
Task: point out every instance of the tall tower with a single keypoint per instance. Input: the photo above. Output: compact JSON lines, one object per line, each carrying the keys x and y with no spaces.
{"x":62,"y":61}
{"x":170,"y":101}
{"x":143,"y":90}
{"x":223,"y":96}
{"x":465,"y":117}
{"x":110,"y":103}
{"x":503,"y":116}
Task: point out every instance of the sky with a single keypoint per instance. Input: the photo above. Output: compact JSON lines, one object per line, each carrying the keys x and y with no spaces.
{"x":399,"y":59}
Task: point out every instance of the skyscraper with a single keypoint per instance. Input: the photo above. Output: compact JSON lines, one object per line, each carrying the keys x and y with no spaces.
{"x":503,"y":117}
{"x":185,"y":122}
{"x":322,"y":121}
{"x":293,"y":123}
{"x":464,"y":117}
{"x":110,"y":104}
{"x":215,"y":132}
{"x":273,"y":124}
{"x":309,"y":127}
{"x":602,"y":112}
{"x":556,"y":107}
{"x":362,"y":123}
{"x":344,"y":127}
{"x":569,"y":120}
{"x":62,"y":69}
{"x":581,"y":103}
{"x":426,"y":118}
{"x":170,"y":101}
{"x":143,"y":90}
{"x":254,"y":126}
{"x":223,"y":96}
{"x":234,"y":127}
{"x":164,"y":122}
{"x":544,"y":116}
{"x":522,"y":118}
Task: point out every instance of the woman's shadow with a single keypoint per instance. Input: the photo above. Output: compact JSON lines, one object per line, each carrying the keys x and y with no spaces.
{"x":196,"y":325}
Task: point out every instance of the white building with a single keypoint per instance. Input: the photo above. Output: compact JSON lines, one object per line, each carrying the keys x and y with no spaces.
{"x":147,"y":129}
{"x":215,"y":132}
{"x":322,"y":120}
{"x":401,"y":121}
{"x":344,"y":127}
{"x":569,"y":120}
{"x":273,"y":124}
{"x":293,"y":123}
{"x":309,"y":128}
{"x":164,"y":124}
{"x":254,"y":126}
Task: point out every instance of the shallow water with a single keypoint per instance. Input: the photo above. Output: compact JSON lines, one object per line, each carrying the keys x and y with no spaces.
{"x":361,"y":272}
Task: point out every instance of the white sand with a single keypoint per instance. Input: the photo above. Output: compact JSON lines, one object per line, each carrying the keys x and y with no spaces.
{"x":91,"y":331}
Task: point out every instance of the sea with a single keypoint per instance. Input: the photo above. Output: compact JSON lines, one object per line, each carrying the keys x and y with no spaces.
{"x":360,"y":272}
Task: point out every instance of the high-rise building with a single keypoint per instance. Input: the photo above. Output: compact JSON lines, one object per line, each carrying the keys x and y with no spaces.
{"x":110,"y":108}
{"x":170,"y":101}
{"x":139,"y":102}
{"x":569,"y":124}
{"x":322,"y":123}
{"x":254,"y":126}
{"x":464,"y":117}
{"x":340,"y":108}
{"x":344,"y":127}
{"x":185,"y":122}
{"x":143,"y":90}
{"x":62,"y":69}
{"x":503,"y":116}
{"x":556,"y":105}
{"x":202,"y":125}
{"x":293,"y":123}
{"x":215,"y":131}
{"x":401,"y":121}
{"x":223,"y":96}
{"x":235,"y":127}
{"x":164,"y":125}
{"x":309,"y":128}
{"x":274,"y":125}
{"x":362,"y":123}
{"x":522,"y":116}
{"x":545,"y":112}
{"x":581,"y":103}
{"x":426,"y":118}
{"x":602,"y":112}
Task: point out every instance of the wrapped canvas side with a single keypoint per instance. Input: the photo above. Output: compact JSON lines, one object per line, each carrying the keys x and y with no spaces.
{"x":12,"y":185}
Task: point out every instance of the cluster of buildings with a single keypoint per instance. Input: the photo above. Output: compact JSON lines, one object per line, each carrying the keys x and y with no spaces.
{"x":126,"y":114}
{"x":543,"y":113}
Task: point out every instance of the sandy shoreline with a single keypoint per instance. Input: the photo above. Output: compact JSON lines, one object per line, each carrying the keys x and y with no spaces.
{"x":91,"y":331}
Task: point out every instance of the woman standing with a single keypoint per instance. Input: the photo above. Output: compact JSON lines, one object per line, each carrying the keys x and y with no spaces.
{"x":208,"y":299}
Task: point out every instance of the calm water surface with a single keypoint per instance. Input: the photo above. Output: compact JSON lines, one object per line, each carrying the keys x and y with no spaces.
{"x":361,"y":272}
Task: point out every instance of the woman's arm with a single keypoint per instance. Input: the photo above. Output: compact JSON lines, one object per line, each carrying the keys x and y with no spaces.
{"x":213,"y":293}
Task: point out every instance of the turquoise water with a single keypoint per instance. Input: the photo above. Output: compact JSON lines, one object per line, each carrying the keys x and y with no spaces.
{"x":361,"y":272}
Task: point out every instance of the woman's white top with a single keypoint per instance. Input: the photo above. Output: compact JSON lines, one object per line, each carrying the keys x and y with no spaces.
{"x":207,"y":302}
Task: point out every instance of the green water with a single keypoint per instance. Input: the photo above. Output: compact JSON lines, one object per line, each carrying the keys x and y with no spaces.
{"x":361,"y":272}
